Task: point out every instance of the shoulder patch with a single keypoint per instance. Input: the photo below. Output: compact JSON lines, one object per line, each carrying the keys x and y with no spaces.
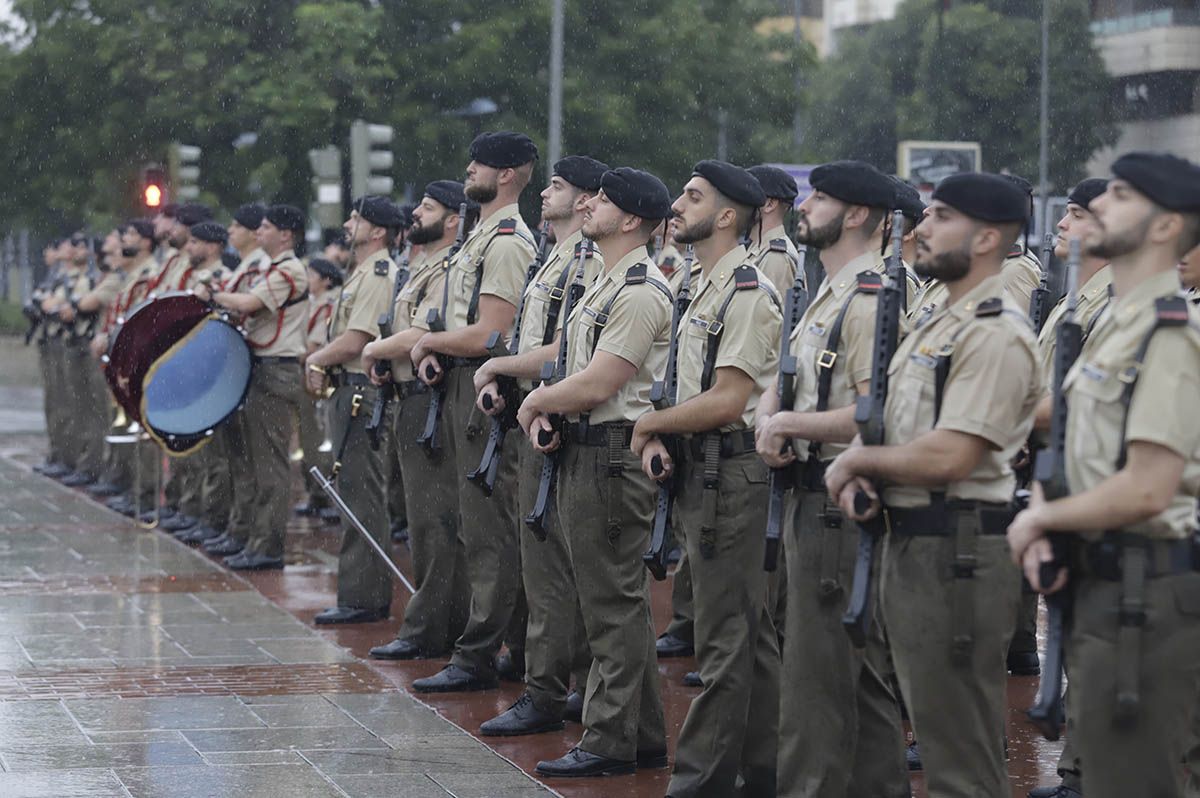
{"x":745,"y":277}
{"x":869,"y":282}
{"x":381,"y":267}
{"x":1171,"y":311}
{"x":636,"y":274}
{"x":778,"y":245}
{"x":993,"y":306}
{"x":506,"y":227}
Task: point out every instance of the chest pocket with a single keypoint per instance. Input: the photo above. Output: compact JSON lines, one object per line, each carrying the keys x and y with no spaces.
{"x":808,"y":348}
{"x":345,"y":308}
{"x":1094,"y":399}
{"x":911,"y":396}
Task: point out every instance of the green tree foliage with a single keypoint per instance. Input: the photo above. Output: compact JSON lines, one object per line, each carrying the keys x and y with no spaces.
{"x":972,"y":75}
{"x":102,"y":86}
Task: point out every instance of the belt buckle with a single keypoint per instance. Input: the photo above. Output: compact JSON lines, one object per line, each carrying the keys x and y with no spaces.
{"x":826,"y":359}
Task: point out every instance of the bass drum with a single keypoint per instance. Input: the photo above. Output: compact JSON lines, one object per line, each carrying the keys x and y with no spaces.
{"x":178,"y":369}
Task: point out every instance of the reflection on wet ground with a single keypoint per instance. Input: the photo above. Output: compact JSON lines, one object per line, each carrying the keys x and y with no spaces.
{"x":130,"y":665}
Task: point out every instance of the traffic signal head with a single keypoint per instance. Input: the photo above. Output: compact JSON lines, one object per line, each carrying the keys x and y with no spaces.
{"x":154,"y":187}
{"x":370,"y":158}
{"x":184,"y":160}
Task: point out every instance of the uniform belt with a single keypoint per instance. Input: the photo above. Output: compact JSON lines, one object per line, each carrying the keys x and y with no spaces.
{"x":733,"y":443}
{"x":342,"y":378}
{"x":939,"y":521}
{"x":597,"y":434}
{"x":410,"y":388}
{"x":467,"y":362}
{"x":809,"y":476}
{"x":1103,"y":559}
{"x":272,"y":359}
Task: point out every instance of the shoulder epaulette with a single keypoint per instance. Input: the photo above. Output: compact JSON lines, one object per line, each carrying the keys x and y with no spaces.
{"x":745,"y":277}
{"x":778,"y":245}
{"x":1171,"y":311}
{"x":506,"y":227}
{"x":869,"y":282}
{"x":636,"y":274}
{"x":1016,"y":252}
{"x":381,"y":267}
{"x":989,"y":307}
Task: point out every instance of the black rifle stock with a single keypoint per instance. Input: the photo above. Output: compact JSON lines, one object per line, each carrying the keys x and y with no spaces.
{"x":1050,"y":471}
{"x":383,"y":368}
{"x":868,"y":415}
{"x":785,"y":390}
{"x":552,"y":372}
{"x":1041,"y":295}
{"x":663,"y":394}
{"x":485,"y":473}
{"x":436,"y":321}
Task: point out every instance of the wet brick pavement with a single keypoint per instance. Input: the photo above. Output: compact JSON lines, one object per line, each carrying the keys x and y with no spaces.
{"x":133,"y":666}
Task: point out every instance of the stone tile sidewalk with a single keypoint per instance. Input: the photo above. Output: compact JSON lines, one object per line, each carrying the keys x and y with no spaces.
{"x":132,"y":666}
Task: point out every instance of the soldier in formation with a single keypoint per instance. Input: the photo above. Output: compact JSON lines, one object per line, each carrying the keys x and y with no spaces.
{"x":544,"y":402}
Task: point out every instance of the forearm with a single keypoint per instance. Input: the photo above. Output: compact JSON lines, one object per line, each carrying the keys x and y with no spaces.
{"x":1119,"y":501}
{"x":704,"y":412}
{"x":398,"y":346}
{"x":1042,"y":413}
{"x":578,"y":393}
{"x":470,"y":341}
{"x":346,"y":347}
{"x":527,"y":365}
{"x":89,"y":303}
{"x":245,"y":304}
{"x":933,"y":460}
{"x":828,"y":426}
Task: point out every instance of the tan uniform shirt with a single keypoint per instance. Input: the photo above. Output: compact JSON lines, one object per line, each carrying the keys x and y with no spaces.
{"x":496,"y":255}
{"x":749,"y":338}
{"x":246,"y":271}
{"x":320,"y":313}
{"x":780,"y":267}
{"x":554,"y":280}
{"x":108,"y":292}
{"x":364,"y":298}
{"x":422,"y":293}
{"x":276,"y":330}
{"x":992,"y":388}
{"x":1093,"y":296}
{"x":851,"y":359}
{"x":1163,"y":407}
{"x":638,"y":331}
{"x":77,"y":285}
{"x":176,"y":271}
{"x":138,"y":285}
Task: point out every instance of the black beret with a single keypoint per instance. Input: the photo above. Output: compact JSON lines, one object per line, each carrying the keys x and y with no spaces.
{"x":854,"y":182}
{"x":193,"y":213}
{"x":1168,"y":180}
{"x":733,"y":181}
{"x":285,"y":217}
{"x":448,"y":193}
{"x":230,"y":260}
{"x":637,"y":192}
{"x":250,"y":216}
{"x":210,"y":231}
{"x":405,"y":215}
{"x":143,"y":227}
{"x":984,"y":196}
{"x":169,"y":210}
{"x":581,"y":171}
{"x":908,"y":200}
{"x":1087,"y":190}
{"x":503,"y":149}
{"x":379,"y":211}
{"x":327,"y":269}
{"x":776,"y":183}
{"x":1020,"y":183}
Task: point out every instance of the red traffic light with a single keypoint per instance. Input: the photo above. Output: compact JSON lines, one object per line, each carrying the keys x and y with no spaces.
{"x":152,"y":195}
{"x":154,"y":187}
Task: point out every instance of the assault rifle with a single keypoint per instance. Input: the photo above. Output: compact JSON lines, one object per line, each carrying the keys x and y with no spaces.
{"x":552,"y":371}
{"x":383,"y":368}
{"x":1050,"y":471}
{"x":1041,"y":294}
{"x":663,"y":394}
{"x":868,"y":414}
{"x":489,"y":465}
{"x":794,"y":306}
{"x":436,"y":321}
